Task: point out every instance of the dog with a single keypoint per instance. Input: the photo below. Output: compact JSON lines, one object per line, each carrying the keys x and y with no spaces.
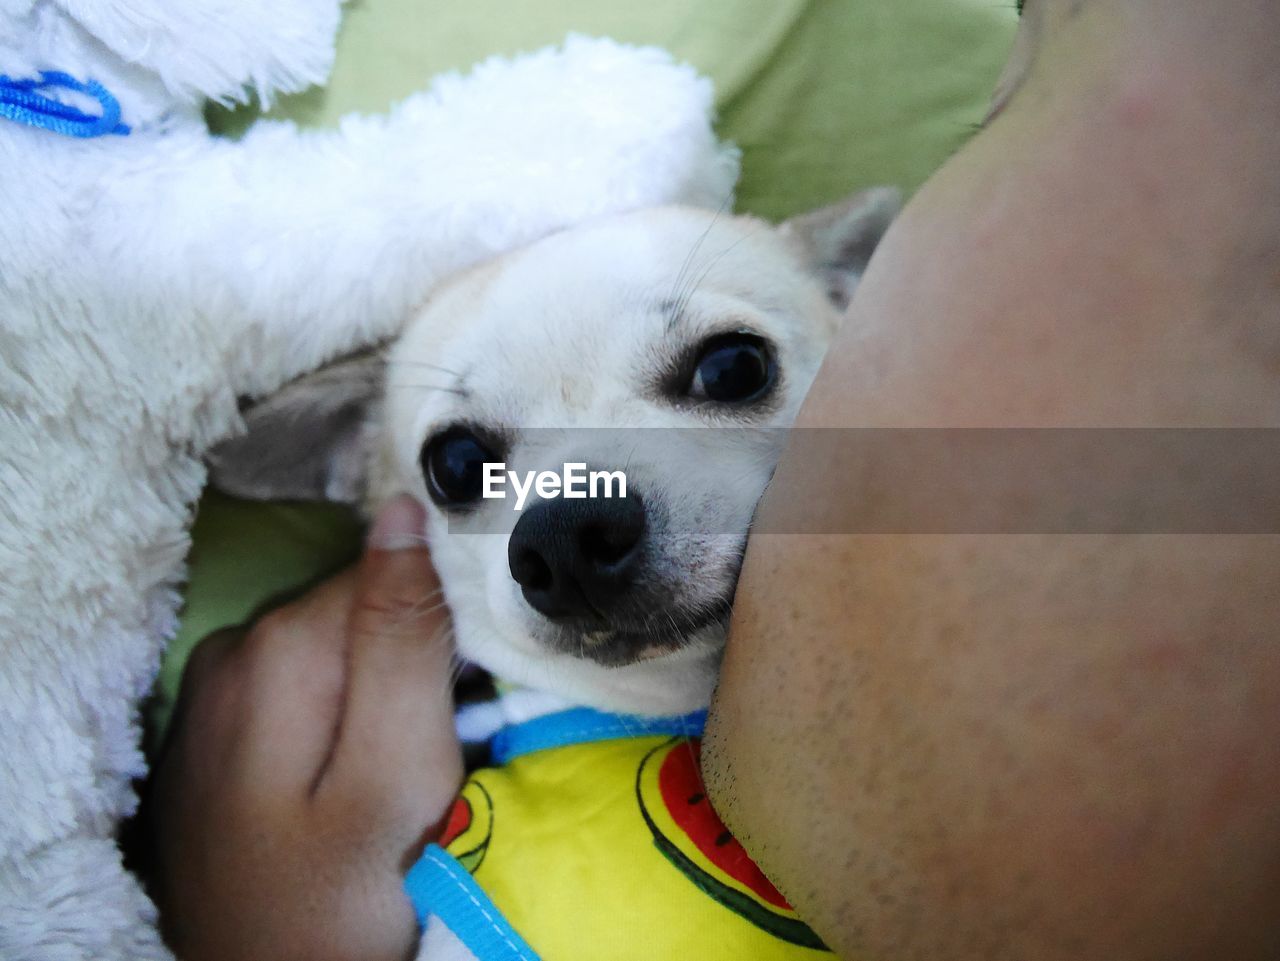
{"x":650,"y":363}
{"x":623,"y":339}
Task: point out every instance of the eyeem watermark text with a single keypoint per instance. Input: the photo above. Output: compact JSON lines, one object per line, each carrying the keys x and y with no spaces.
{"x":575,"y":482}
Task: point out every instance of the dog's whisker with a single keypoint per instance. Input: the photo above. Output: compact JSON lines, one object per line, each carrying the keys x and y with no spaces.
{"x":706,"y":272}
{"x":677,"y":298}
{"x":423,"y":609}
{"x":456,"y":391}
{"x":693,"y":251}
{"x":427,"y":604}
{"x":409,"y":362}
{"x":424,"y":541}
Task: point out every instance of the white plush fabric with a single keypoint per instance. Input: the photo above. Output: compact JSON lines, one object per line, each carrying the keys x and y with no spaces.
{"x":147,"y":281}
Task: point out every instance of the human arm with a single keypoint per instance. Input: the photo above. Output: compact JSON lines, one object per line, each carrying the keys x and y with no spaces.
{"x":1038,"y":746}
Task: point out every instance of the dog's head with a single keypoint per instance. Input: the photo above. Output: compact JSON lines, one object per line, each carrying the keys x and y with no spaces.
{"x":665,"y":345}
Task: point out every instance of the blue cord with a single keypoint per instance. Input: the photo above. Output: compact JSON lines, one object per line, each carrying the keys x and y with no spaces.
{"x":20,"y":101}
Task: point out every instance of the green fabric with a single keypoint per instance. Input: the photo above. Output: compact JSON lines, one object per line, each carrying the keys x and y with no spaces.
{"x":823,"y":97}
{"x":242,"y":556}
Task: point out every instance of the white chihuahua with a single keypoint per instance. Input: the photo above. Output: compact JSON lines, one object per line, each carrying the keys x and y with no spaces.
{"x":598,"y":346}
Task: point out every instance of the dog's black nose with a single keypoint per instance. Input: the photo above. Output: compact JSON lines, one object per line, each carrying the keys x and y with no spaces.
{"x":574,"y":558}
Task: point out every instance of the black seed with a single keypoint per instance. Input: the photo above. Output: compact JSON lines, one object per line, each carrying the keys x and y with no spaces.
{"x":724,"y":838}
{"x":696,"y":798}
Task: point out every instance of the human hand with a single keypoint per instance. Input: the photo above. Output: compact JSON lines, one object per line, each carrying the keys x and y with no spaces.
{"x":312,"y":756}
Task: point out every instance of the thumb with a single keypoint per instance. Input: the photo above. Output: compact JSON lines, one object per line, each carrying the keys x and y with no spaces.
{"x":398,"y":717}
{"x":396,"y":588}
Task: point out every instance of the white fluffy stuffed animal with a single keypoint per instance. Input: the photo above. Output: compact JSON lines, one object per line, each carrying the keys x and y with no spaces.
{"x":151,"y":274}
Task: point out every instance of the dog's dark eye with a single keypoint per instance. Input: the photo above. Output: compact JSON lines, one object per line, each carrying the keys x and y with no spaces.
{"x":732,"y":369}
{"x":453,"y":465}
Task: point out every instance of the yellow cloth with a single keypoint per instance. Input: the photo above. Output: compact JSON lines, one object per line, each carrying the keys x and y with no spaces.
{"x":610,"y":850}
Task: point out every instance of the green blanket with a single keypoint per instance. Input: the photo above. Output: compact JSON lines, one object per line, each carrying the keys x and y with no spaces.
{"x":823,"y":97}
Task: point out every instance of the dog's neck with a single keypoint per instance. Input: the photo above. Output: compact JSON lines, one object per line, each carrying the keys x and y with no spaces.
{"x":520,"y":704}
{"x":478,"y":722}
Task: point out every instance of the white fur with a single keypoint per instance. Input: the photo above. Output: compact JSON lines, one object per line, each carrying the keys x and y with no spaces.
{"x":147,"y":281}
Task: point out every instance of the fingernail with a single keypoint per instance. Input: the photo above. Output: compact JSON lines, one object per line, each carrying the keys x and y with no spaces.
{"x":401,"y":524}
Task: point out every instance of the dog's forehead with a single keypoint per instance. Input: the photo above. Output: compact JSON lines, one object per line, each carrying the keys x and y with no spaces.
{"x":562,"y":321}
{"x":601,"y":276}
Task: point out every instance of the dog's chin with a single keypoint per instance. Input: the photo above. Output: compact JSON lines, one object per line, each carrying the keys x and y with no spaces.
{"x":624,"y":644}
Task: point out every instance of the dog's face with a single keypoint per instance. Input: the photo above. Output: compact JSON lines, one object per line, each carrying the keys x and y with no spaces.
{"x":662,"y":344}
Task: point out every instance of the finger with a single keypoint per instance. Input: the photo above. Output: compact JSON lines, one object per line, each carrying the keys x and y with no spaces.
{"x":204,"y":688}
{"x":292,"y":667}
{"x":396,"y":745}
{"x":204,"y":725}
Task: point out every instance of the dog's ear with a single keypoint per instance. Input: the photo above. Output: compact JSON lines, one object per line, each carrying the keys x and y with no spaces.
{"x":312,"y":440}
{"x":838,"y":240}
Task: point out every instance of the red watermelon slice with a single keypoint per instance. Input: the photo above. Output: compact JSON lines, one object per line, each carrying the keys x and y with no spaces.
{"x":670,"y":792}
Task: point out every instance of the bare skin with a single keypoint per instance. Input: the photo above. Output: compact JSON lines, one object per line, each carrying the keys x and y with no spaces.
{"x":1030,"y":746}
{"x":309,"y":765}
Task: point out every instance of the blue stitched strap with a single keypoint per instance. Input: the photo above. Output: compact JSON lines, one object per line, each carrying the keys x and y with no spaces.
{"x":21,"y":101}
{"x":580,"y":725}
{"x":439,"y":886}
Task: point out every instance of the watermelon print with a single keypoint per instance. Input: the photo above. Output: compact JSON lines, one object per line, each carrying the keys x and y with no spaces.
{"x":701,"y":847}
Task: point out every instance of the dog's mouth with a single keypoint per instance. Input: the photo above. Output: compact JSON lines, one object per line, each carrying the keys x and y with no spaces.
{"x":664,"y":632}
